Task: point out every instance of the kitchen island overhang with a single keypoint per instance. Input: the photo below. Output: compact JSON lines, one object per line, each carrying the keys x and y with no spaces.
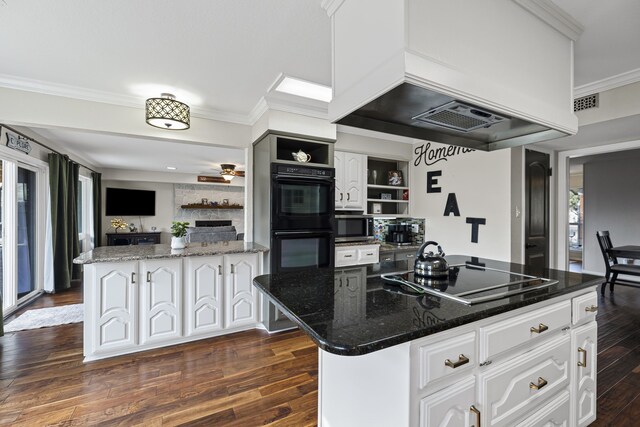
{"x":406,"y":356}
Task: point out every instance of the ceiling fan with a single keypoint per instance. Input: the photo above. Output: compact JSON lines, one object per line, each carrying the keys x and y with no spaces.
{"x":227,"y":173}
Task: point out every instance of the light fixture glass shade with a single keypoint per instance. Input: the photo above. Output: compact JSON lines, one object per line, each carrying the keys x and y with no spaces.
{"x":167,"y":113}
{"x":228,"y":176}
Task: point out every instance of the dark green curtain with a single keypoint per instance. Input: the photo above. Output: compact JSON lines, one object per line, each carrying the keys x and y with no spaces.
{"x":97,"y":208}
{"x":63,"y":182}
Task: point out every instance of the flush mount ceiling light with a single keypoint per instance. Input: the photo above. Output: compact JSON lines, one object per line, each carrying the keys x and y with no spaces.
{"x":229,"y":171}
{"x":167,"y":113}
{"x":304,"y":88}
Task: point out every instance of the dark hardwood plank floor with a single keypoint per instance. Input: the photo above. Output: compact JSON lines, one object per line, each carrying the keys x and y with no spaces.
{"x":244,"y":379}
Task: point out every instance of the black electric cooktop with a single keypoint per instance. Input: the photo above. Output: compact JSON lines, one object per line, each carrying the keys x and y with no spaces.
{"x":469,"y":283}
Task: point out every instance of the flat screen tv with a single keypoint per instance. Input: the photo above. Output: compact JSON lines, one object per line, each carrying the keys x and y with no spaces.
{"x":122,"y":201}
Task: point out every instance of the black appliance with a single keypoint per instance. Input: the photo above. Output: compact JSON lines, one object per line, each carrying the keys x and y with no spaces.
{"x":353,"y":228}
{"x":297,"y":250}
{"x":399,"y":234}
{"x":470,"y":283}
{"x":302,"y":197}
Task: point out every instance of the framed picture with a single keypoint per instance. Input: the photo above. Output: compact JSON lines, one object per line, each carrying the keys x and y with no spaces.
{"x":395,"y":178}
{"x":376,"y":208}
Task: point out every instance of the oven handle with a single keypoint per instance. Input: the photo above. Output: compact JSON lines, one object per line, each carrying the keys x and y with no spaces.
{"x":298,"y":178}
{"x":301,"y":233}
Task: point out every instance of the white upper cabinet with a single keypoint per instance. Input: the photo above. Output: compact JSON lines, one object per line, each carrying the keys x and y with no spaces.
{"x":350,"y":181}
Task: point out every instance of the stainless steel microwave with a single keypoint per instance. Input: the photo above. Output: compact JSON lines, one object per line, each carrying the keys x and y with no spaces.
{"x":353,"y":228}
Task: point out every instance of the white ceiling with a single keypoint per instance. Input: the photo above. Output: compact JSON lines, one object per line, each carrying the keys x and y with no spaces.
{"x":218,"y":56}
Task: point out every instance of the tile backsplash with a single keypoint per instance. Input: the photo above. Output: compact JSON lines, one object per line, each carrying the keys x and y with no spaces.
{"x":380,"y":228}
{"x":185,"y":194}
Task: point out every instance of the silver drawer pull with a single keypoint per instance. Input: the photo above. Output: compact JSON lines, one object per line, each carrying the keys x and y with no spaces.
{"x":133,"y":278}
{"x":219,"y":270}
{"x":591,"y":309}
{"x":371,"y":254}
{"x":541,"y":383}
{"x":462,"y":360}
{"x":409,"y":256}
{"x":387,"y":259}
{"x":540,"y":329}
{"x":348,"y":256}
{"x":148,"y":277}
{"x":477,"y":412}
{"x":584,"y":357}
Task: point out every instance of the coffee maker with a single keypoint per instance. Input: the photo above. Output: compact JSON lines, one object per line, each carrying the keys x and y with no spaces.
{"x":399,"y":234}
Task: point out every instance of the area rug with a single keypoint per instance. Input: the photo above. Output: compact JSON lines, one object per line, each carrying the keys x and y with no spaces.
{"x":45,"y":317}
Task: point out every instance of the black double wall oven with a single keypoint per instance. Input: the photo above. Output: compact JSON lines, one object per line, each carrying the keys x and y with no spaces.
{"x":302,"y":216}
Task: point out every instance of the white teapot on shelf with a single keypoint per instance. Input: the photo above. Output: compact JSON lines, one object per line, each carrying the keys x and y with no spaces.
{"x":301,"y":156}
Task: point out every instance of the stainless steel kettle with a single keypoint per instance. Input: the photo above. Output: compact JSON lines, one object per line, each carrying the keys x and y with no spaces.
{"x":431,"y":264}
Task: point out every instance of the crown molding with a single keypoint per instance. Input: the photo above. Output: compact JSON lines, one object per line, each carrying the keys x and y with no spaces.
{"x":257,"y":111}
{"x":555,"y":16}
{"x":626,"y":78}
{"x":91,"y":95}
{"x":331,"y":6}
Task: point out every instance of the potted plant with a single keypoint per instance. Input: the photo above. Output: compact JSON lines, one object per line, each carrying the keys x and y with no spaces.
{"x":178,"y":232}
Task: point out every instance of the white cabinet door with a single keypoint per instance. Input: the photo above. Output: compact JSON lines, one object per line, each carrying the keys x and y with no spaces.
{"x":241,"y":297}
{"x":584,"y":345}
{"x":452,"y":407}
{"x":160,"y":300}
{"x":350,"y":295}
{"x":203,"y":294}
{"x":338,"y":164}
{"x":354,"y":181}
{"x":113,"y":306}
{"x":351,"y":186}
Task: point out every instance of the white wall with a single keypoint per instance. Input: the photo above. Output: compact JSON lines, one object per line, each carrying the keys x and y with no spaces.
{"x":481,"y":182}
{"x":375,"y":145}
{"x":612,"y":202}
{"x":164,"y":208}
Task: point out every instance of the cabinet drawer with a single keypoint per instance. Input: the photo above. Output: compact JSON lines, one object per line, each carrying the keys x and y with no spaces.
{"x":522,"y":384}
{"x":501,"y":336}
{"x":446,"y":358}
{"x":400,"y":256}
{"x":584,"y":308}
{"x":387,"y":256}
{"x":346,"y":257}
{"x":368,"y":254}
{"x":556,"y":413}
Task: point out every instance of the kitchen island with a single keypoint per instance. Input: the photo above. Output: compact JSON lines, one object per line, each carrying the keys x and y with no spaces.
{"x":148,"y":296}
{"x":389,"y":357}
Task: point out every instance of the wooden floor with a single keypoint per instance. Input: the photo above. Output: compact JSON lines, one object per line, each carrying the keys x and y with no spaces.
{"x":244,"y":379}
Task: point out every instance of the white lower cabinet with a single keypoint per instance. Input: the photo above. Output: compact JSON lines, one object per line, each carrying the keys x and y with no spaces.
{"x":454,"y":406}
{"x":241,"y":297}
{"x":204,"y":287}
{"x":137,"y":305}
{"x":584,"y":345}
{"x":111,"y":307}
{"x":544,"y":377}
{"x":160,"y":300}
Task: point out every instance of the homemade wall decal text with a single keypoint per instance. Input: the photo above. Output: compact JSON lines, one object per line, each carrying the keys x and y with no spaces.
{"x":430,"y":156}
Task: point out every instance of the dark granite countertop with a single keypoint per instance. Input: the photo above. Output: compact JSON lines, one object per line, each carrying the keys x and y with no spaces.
{"x":373,"y":317}
{"x":138,"y":252}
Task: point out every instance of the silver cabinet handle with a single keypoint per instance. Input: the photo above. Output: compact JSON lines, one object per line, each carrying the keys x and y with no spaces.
{"x":233,"y":270}
{"x":591,"y":309}
{"x":584,"y":357}
{"x":148,"y":277}
{"x":133,"y":278}
{"x":409,"y":255}
{"x":348,"y":196}
{"x":541,"y":383}
{"x":540,"y":329}
{"x":477,"y":412}
{"x":462,"y":360}
{"x":219,"y":270}
{"x":348,"y":256}
{"x":341,"y":197}
{"x":370,"y":254}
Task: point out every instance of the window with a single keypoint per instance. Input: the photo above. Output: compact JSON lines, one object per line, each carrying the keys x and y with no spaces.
{"x":85,"y":214}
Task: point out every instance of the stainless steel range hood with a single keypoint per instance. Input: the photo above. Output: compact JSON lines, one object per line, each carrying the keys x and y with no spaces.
{"x":435,"y":70}
{"x":416,"y":112}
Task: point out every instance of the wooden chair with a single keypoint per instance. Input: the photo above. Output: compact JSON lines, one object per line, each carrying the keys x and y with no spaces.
{"x":611,"y":262}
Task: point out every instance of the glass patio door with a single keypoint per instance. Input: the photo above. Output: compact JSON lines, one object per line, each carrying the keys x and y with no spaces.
{"x":22,"y":232}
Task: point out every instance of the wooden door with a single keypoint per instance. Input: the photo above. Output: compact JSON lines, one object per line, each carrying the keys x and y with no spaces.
{"x":203,"y":294}
{"x":160,"y":300}
{"x":536,"y":213}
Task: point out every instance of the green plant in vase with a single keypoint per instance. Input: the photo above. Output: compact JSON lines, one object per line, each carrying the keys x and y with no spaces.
{"x":178,"y":233}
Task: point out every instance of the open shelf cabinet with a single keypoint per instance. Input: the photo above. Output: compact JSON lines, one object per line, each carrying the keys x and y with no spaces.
{"x":384,"y":199}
